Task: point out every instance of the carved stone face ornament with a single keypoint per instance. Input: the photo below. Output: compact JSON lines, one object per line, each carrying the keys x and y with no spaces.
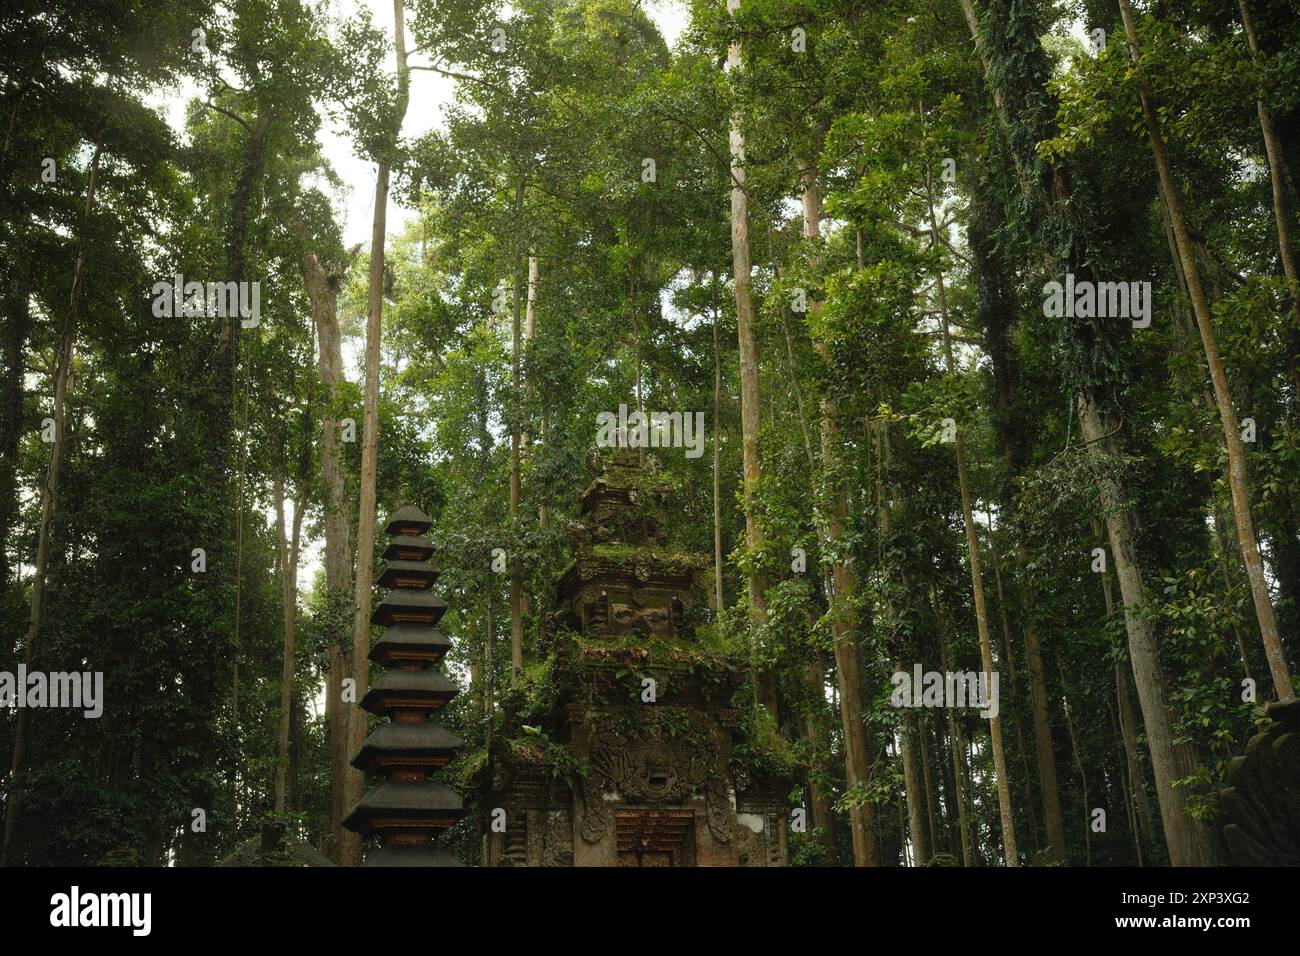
{"x":657,"y":777}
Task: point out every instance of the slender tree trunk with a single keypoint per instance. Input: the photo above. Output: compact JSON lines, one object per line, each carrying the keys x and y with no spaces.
{"x":489,"y":666}
{"x":530,"y":333}
{"x":1187,"y":326}
{"x":50,"y":493}
{"x":1125,"y":697}
{"x":364,"y":580}
{"x":286,"y":656}
{"x":1273,"y":649}
{"x":719,"y":600}
{"x":930,"y":792}
{"x":1276,"y":164}
{"x":530,"y":330}
{"x":956,"y":745}
{"x":921,"y":847}
{"x":1126,"y":782}
{"x":516,"y":572}
{"x":1127,"y":717}
{"x":487,"y":587}
{"x":912,"y":784}
{"x":750,"y":409}
{"x":1189,"y":841}
{"x":819,"y":524}
{"x":819,"y":801}
{"x":995,"y":305}
{"x":288,"y":549}
{"x":241,"y":465}
{"x":822,"y":809}
{"x":1010,"y":660}
{"x":1010,"y":854}
{"x":17,"y":319}
{"x":857,"y":767}
{"x":294,"y":800}
{"x":365,"y":565}
{"x":1083,"y":780}
{"x":252,"y":164}
{"x":844,"y":620}
{"x":1044,"y":749}
{"x":323,"y":288}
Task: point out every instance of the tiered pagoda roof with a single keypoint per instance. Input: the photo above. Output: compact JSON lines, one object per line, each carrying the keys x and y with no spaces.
{"x":406,"y":809}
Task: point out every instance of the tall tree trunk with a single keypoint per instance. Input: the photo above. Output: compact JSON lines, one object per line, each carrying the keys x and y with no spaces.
{"x":1276,"y":164}
{"x":1020,"y":60}
{"x":1010,"y":660}
{"x":719,"y":600}
{"x":1187,"y":326}
{"x":17,"y":314}
{"x":1044,"y":749}
{"x":816,"y":670}
{"x":1083,"y":780}
{"x":516,"y":571}
{"x":996,"y":306}
{"x":912,"y":785}
{"x":487,"y":587}
{"x":252,"y":164}
{"x":241,"y":465}
{"x":1273,"y":649}
{"x":286,"y":656}
{"x":295,"y":802}
{"x":288,"y":550}
{"x":530,"y":331}
{"x":50,"y":493}
{"x":365,"y":566}
{"x":844,"y":620}
{"x":1126,"y":788}
{"x":1189,"y":841}
{"x":819,"y":801}
{"x":931,"y":794}
{"x":956,"y":745}
{"x":1010,"y":854}
{"x":322,"y":289}
{"x":921,"y":846}
{"x":1127,"y":717}
{"x":750,"y":407}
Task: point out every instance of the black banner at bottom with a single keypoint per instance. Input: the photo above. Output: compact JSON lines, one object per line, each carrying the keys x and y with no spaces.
{"x":377,"y":906}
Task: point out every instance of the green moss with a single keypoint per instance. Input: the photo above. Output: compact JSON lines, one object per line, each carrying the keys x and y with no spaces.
{"x":471,"y":765}
{"x":535,"y":694}
{"x":666,"y":557}
{"x":536,"y":749}
{"x":759,"y":748}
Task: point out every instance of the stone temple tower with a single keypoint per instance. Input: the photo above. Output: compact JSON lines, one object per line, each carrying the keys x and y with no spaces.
{"x":406,"y":810}
{"x":628,"y":745}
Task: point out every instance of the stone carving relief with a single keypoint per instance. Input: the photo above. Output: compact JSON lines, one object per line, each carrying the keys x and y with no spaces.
{"x":557,"y":840}
{"x":652,"y":768}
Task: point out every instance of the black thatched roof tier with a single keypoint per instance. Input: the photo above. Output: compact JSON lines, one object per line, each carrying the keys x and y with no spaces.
{"x":395,"y":804}
{"x":410,"y":642}
{"x":402,"y":688}
{"x":411,"y":856}
{"x":421,"y":607}
{"x":423,"y":740}
{"x":408,"y":574}
{"x":408,"y":520}
{"x":409,"y":547}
